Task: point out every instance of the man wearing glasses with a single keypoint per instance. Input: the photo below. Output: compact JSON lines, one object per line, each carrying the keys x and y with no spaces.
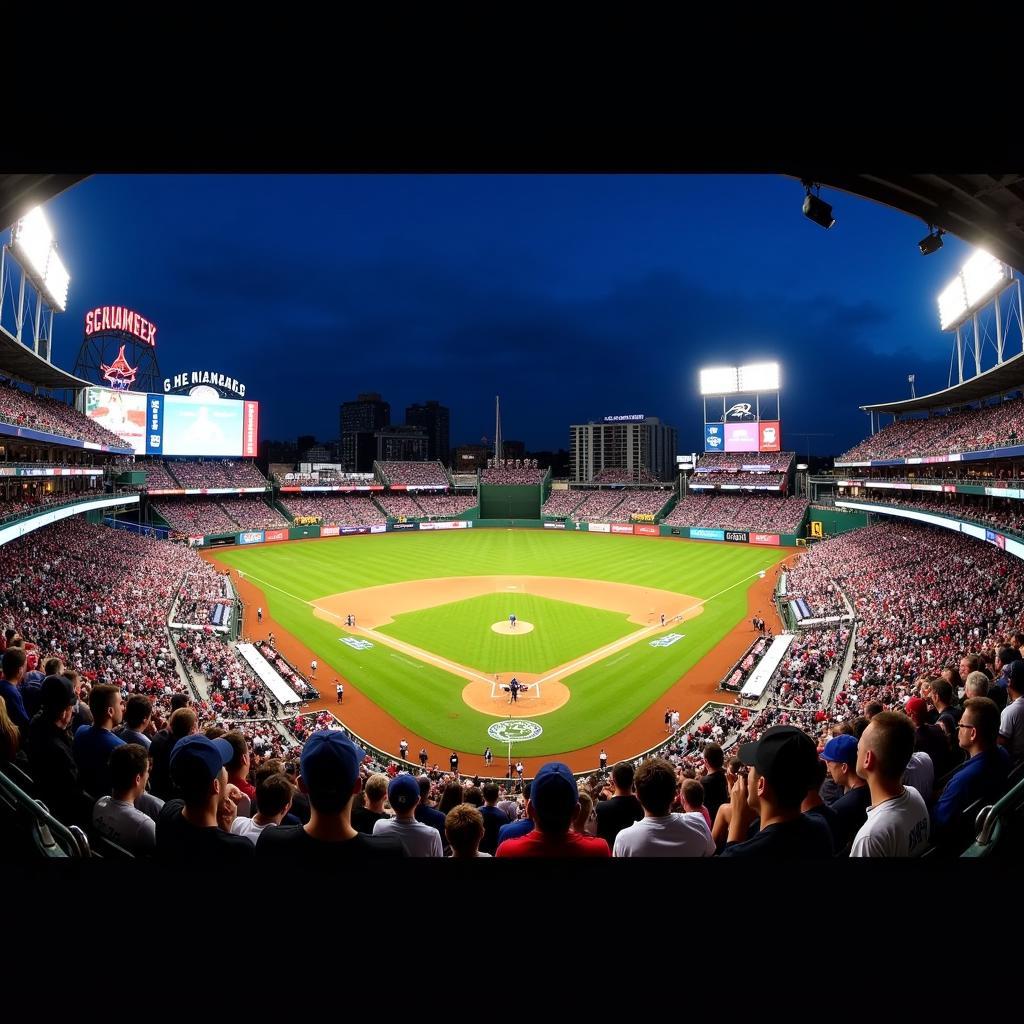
{"x":982,"y":776}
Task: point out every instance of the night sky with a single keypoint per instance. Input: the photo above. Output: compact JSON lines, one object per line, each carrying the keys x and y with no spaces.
{"x":573,"y":297}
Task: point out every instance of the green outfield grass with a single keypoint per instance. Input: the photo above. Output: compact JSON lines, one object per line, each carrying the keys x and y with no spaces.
{"x":606,"y":696}
{"x":461,"y":631}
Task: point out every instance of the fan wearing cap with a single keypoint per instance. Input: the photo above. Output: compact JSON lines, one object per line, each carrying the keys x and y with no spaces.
{"x":329,"y":776}
{"x":198,"y":827}
{"x":50,"y":756}
{"x":851,"y":809}
{"x":418,"y":839}
{"x":783,"y":766}
{"x":928,"y":738}
{"x":553,"y":804}
{"x":897,"y":822}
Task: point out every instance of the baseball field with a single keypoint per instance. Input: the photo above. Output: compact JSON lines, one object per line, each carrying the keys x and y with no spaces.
{"x":432,"y":646}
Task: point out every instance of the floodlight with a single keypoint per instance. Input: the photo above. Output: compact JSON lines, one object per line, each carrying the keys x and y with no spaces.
{"x":55,"y":284}
{"x":982,"y":275}
{"x":952,"y":303}
{"x":816,"y":209}
{"x":759,"y":377}
{"x":719,"y":380}
{"x":932,"y":242}
{"x":32,"y":239}
{"x":802,"y":465}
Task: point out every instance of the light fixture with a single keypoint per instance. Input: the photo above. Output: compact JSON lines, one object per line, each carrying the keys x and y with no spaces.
{"x":931,"y":242}
{"x":816,"y":209}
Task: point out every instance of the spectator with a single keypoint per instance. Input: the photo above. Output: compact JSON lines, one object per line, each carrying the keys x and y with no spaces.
{"x":931,"y":739}
{"x":418,"y":839}
{"x":815,"y":806}
{"x":450,"y":797}
{"x":274,"y":796}
{"x":10,"y":740}
{"x":182,"y":723}
{"x":948,"y":713}
{"x":13,"y":670}
{"x":585,"y":821}
{"x":238,"y":766}
{"x":976,"y":685}
{"x":1011,"y":721}
{"x":329,"y":775}
{"x":691,"y":796}
{"x":552,"y":806}
{"x":782,"y":769}
{"x":464,"y":826}
{"x":32,"y":683}
{"x":94,"y":743}
{"x":622,"y":809}
{"x":897,"y":823}
{"x":50,"y":755}
{"x":521,"y":827}
{"x":116,"y":816}
{"x":851,"y":809}
{"x":197,"y":827}
{"x":714,"y":782}
{"x":375,"y":792}
{"x":137,"y":717}
{"x":493,"y":818}
{"x":981,"y":777}
{"x":426,"y":813}
{"x":660,"y":833}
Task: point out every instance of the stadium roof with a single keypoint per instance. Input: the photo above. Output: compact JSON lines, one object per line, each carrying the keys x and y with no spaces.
{"x":16,"y":360}
{"x":986,"y":210}
{"x":20,"y":192}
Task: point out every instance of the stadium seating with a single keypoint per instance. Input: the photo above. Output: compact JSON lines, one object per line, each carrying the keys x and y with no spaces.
{"x":52,"y":417}
{"x":414,"y":474}
{"x":763,"y":512}
{"x":625,"y":476}
{"x":562,"y":503}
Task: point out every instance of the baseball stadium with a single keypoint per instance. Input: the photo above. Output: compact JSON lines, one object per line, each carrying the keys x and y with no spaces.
{"x":742,"y":651}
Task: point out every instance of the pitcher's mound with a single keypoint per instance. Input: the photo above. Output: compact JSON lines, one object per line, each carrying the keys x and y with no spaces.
{"x":505,"y":628}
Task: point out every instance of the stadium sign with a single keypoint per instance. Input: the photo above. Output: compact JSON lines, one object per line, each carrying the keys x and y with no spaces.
{"x":356,"y":644}
{"x":743,"y":411}
{"x":187,"y":382}
{"x":119,"y":318}
{"x":700,"y":533}
{"x":632,"y":417}
{"x":736,"y":536}
{"x":667,"y":640}
{"x":514,"y":730}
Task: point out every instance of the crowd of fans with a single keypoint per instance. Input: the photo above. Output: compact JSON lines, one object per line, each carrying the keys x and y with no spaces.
{"x":51,"y":416}
{"x":596,"y":506}
{"x":195,"y":517}
{"x":642,"y":502}
{"x":233,"y":690}
{"x":991,"y":426}
{"x":157,"y":476}
{"x":610,"y":475}
{"x":517,"y":472}
{"x":398,"y":504}
{"x":333,"y":509}
{"x":202,"y":589}
{"x":739,"y":479}
{"x":562,"y":503}
{"x":763,"y":512}
{"x":1004,"y":514}
{"x":12,"y":508}
{"x":254,"y":514}
{"x":733,"y":462}
{"x":446,"y":506}
{"x":414,"y":474}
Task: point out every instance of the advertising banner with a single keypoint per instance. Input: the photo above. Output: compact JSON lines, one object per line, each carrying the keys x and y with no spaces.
{"x":741,"y":412}
{"x":770,"y":435}
{"x":329,"y":531}
{"x":403,"y":526}
{"x":272,"y":535}
{"x":196,"y":542}
{"x":599,"y":528}
{"x":455,"y":524}
{"x":154,"y":424}
{"x":764,"y":538}
{"x":736,"y":536}
{"x":642,"y":517}
{"x":250,"y":429}
{"x":121,"y":412}
{"x":995,"y":538}
{"x":348,"y":531}
{"x":554,"y":526}
{"x":251,"y":537}
{"x":644,"y":530}
{"x":699,"y":533}
{"x":379,"y":528}
{"x":714,"y":437}
{"x":622,"y":528}
{"x":741,"y":437}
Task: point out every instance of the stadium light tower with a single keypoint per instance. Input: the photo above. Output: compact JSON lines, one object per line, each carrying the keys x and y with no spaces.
{"x":911,"y":377}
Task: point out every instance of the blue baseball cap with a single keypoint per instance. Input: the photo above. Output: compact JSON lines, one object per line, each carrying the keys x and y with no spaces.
{"x":841,"y":749}
{"x":554,"y":788}
{"x":196,"y":760}
{"x":403,"y":792}
{"x":330,"y":765}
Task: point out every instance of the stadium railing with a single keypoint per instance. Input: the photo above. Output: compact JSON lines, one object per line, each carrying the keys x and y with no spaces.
{"x":1002,"y":825}
{"x":29,"y":830}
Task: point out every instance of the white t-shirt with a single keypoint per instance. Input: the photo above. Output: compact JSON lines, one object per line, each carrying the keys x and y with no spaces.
{"x":895,"y":828}
{"x":674,"y":835}
{"x":920,"y":774}
{"x":418,"y":839}
{"x":248,"y":828}
{"x":1011,"y":728}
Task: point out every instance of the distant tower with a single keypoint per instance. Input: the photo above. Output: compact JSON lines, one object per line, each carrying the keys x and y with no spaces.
{"x":497,"y":427}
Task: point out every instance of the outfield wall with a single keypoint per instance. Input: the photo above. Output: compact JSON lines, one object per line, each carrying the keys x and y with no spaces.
{"x":509,"y":501}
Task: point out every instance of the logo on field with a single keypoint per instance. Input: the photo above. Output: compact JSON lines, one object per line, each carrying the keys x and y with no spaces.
{"x":355,"y":643}
{"x":667,"y":640}
{"x":514,"y":730}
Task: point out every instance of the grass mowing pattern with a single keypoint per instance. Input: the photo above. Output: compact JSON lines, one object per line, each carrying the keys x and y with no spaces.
{"x":606,"y":697}
{"x":461,"y":631}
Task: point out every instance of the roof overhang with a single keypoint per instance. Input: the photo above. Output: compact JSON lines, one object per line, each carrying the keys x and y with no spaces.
{"x":22,"y":363}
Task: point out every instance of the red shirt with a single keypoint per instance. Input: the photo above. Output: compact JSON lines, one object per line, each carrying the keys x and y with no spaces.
{"x":541,"y":844}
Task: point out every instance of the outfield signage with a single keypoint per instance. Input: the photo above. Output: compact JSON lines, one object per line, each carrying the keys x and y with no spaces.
{"x":456,"y":524}
{"x":764,"y":538}
{"x":356,"y":644}
{"x":642,"y":530}
{"x":736,"y":536}
{"x":251,"y":537}
{"x":621,"y":528}
{"x":599,"y":527}
{"x":329,"y":531}
{"x":348,"y":531}
{"x":554,"y":526}
{"x":272,"y":535}
{"x":346,"y":488}
{"x":699,"y":533}
{"x":403,"y":526}
{"x":49,"y":471}
{"x":206,"y":490}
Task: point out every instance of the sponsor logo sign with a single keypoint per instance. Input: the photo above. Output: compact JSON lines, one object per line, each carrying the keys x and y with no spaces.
{"x":632,"y":417}
{"x":251,"y":537}
{"x":667,"y":640}
{"x":378,"y":528}
{"x":770,"y":436}
{"x":356,"y":644}
{"x":714,"y":437}
{"x":403,"y":526}
{"x":196,"y":542}
{"x":514,"y":730}
{"x":699,"y":533}
{"x":458,"y":524}
{"x":348,"y":531}
{"x":554,"y":526}
{"x":741,"y":437}
{"x":764,"y":538}
{"x":995,"y":538}
{"x":642,"y":517}
{"x":622,"y":528}
{"x":742,"y":411}
{"x":817,"y":529}
{"x":329,"y":531}
{"x":599,"y":528}
{"x":181,"y":382}
{"x":118,"y":318}
{"x":642,"y":530}
{"x":736,"y":536}
{"x":271,"y":535}
{"x":676,"y":532}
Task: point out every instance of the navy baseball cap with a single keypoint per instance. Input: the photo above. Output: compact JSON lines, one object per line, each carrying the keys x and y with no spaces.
{"x":403,"y":792}
{"x":554,"y":788}
{"x":57,"y":694}
{"x":330,"y":765}
{"x":785,"y":756}
{"x":196,"y":760}
{"x":841,"y":749}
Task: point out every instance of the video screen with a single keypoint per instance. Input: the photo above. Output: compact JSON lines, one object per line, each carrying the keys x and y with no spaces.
{"x":121,"y":412}
{"x":194,"y":427}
